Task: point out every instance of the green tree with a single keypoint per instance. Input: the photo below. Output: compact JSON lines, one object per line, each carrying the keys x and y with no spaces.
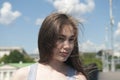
{"x":15,"y":57}
{"x":89,"y":58}
{"x":28,"y":59}
{"x":4,"y":59}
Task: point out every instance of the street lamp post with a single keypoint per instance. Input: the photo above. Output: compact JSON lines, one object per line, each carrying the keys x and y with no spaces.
{"x":112,"y":44}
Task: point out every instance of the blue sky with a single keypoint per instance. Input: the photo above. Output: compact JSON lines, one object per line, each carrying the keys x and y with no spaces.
{"x":20,"y":21}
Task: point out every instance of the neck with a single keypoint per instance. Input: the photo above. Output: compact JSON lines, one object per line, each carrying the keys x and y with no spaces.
{"x":58,"y":66}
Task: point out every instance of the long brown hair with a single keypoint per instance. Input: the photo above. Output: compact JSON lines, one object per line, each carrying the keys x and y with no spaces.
{"x":48,"y":35}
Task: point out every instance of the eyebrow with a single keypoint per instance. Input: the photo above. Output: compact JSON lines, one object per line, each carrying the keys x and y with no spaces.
{"x":61,"y":35}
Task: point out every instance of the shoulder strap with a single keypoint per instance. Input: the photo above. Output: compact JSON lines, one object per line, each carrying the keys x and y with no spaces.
{"x":71,"y":73}
{"x":33,"y":72}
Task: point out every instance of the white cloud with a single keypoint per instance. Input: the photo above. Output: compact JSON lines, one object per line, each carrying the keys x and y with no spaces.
{"x":117,"y":53}
{"x":89,"y":46}
{"x":7,"y":16}
{"x":117,"y":38}
{"x":117,"y":32}
{"x":117,"y":46}
{"x":36,"y":51}
{"x":73,"y":6}
{"x":39,"y":21}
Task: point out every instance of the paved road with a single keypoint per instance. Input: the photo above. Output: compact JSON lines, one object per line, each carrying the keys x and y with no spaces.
{"x":109,"y":76}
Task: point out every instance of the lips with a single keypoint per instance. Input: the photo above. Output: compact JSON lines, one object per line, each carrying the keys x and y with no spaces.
{"x":64,"y":54}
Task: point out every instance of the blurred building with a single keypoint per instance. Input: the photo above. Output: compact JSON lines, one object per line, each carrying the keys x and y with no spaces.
{"x":6,"y":70}
{"x":108,"y":52}
{"x":35,"y":56}
{"x":7,"y":50}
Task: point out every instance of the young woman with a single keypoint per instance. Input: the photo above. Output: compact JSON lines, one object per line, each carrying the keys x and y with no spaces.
{"x":58,"y":48}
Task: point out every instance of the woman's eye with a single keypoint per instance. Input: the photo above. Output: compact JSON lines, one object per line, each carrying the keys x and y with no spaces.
{"x":61,"y":39}
{"x":71,"y":40}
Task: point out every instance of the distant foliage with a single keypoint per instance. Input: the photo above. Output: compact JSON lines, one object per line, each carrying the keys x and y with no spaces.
{"x":89,"y":58}
{"x":28,"y":59}
{"x":4,"y":59}
{"x":16,"y":57}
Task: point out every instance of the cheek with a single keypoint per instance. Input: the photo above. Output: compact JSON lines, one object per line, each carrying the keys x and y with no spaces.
{"x":72,"y":46}
{"x":58,"y":46}
{"x":57,"y":49}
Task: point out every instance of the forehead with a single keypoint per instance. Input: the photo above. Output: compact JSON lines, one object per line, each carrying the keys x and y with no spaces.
{"x":67,"y":30}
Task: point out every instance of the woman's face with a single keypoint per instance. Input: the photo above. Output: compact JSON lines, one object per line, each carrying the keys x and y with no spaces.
{"x":64,"y":44}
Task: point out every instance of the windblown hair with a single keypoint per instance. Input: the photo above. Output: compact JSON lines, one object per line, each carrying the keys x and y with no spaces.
{"x":48,"y":35}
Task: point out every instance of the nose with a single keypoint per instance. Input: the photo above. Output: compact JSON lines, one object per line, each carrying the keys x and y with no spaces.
{"x":66,"y":45}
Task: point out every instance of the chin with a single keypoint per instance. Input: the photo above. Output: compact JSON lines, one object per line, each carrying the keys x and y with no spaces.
{"x":64,"y":59}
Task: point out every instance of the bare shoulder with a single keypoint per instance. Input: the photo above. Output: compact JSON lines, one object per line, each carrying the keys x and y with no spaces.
{"x":80,"y":76}
{"x":21,"y":74}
